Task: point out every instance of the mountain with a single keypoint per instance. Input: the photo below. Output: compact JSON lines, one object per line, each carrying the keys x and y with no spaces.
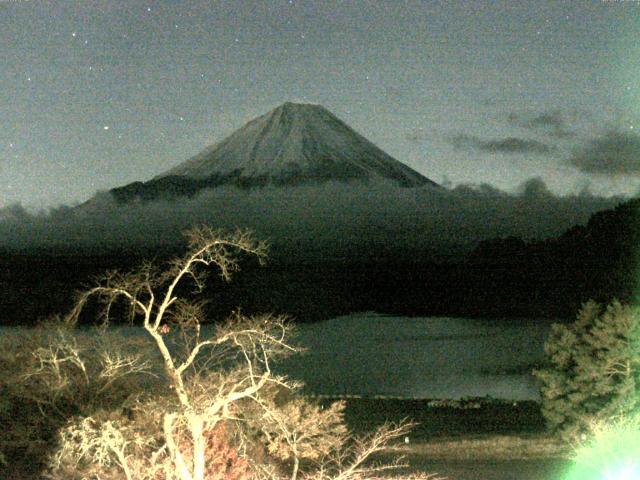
{"x":290,"y":145}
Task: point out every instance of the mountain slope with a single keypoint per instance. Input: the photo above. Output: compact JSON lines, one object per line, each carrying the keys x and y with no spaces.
{"x":292,"y":144}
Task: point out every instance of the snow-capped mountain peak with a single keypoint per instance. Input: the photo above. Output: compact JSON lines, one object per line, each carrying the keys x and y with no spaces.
{"x":295,"y":143}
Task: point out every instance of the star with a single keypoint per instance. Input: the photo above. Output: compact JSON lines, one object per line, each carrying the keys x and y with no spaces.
{"x":106,"y":127}
{"x":74,"y":34}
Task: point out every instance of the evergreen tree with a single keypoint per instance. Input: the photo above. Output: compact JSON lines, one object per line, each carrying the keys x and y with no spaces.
{"x":593,"y":373}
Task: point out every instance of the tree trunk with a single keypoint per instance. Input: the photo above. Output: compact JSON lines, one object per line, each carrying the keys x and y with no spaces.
{"x":296,"y":465}
{"x":195,"y":425}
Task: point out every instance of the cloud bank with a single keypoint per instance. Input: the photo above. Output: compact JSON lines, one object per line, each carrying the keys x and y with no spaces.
{"x":353,"y":219}
{"x":509,"y":145}
{"x":613,"y":153}
{"x":552,"y":122}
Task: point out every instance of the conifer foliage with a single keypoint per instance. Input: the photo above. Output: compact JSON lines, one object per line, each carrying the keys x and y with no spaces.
{"x":593,"y":371}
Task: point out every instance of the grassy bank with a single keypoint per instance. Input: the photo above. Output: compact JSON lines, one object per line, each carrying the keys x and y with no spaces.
{"x":473,"y":429}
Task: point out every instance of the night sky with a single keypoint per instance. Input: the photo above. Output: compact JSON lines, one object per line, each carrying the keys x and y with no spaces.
{"x":97,"y":94}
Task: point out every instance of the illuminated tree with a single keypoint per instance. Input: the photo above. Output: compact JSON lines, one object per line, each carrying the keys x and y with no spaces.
{"x":594,"y":369}
{"x":186,"y":432}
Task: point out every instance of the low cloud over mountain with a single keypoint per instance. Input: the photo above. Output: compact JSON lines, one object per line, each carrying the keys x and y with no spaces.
{"x":332,"y":216}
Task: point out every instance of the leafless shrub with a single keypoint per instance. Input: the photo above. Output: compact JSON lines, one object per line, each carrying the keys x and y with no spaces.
{"x":79,"y":371}
{"x":51,"y":373}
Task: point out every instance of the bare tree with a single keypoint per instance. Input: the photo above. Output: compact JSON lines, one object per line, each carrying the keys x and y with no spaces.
{"x":212,"y":378}
{"x":153,"y":295}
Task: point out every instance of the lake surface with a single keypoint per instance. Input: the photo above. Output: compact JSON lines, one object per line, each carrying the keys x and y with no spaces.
{"x":434,"y":357}
{"x":367,"y":354}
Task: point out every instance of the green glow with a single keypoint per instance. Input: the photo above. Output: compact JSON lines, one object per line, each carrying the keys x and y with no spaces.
{"x":613,"y":453}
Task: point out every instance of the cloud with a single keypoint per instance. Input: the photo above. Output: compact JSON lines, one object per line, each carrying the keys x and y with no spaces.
{"x":552,"y":122}
{"x":613,"y":153}
{"x":417,"y":135}
{"x":509,"y":145}
{"x":332,"y":219}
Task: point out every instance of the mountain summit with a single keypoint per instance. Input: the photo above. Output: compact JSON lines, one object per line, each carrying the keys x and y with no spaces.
{"x":296,"y":143}
{"x":293,"y":144}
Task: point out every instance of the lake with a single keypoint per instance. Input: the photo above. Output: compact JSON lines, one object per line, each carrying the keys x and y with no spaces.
{"x":434,"y":357}
{"x":369,"y":355}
